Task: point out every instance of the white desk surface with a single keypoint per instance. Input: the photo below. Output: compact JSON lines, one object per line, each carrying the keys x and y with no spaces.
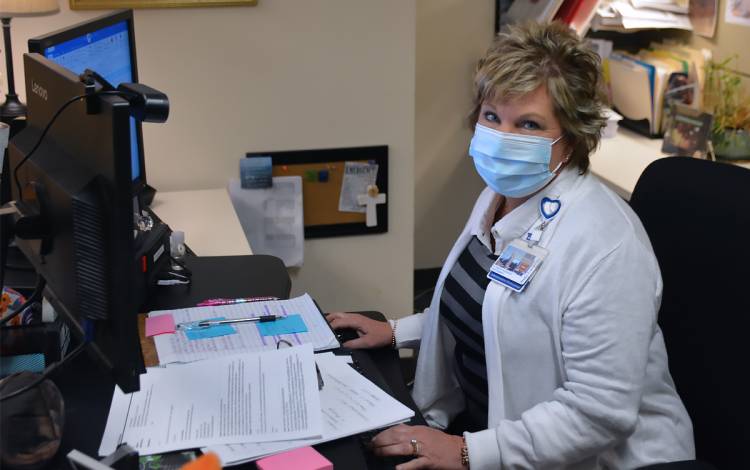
{"x":619,"y":161}
{"x":208,"y":219}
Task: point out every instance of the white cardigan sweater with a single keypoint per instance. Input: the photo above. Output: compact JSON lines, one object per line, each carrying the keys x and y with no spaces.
{"x":576,"y":364}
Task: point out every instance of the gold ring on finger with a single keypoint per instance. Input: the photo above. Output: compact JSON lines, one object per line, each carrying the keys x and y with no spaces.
{"x":416,"y":447}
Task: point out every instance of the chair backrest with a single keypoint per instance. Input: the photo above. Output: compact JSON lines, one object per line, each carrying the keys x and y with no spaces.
{"x":697,"y":215}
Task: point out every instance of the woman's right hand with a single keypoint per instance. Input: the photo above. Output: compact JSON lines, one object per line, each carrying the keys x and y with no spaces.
{"x":372,"y":333}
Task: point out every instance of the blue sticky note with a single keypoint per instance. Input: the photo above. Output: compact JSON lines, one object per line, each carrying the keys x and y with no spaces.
{"x":211,"y":331}
{"x":283,"y":326}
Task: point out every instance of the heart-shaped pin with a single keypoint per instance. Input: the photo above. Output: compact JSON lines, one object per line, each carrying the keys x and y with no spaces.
{"x":549,"y":207}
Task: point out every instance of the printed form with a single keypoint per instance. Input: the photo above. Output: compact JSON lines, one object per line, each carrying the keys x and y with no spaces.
{"x":255,"y":397}
{"x":177,"y":347}
{"x":351,"y":404}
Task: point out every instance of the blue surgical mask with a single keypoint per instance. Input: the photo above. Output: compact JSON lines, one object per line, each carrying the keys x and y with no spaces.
{"x":513,"y":165}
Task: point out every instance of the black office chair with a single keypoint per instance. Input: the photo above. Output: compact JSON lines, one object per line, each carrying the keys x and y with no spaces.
{"x":697,"y":214}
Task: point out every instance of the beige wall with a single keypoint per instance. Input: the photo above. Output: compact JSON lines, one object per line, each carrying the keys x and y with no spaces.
{"x":729,"y":40}
{"x":286,"y":74}
{"x":451,"y":36}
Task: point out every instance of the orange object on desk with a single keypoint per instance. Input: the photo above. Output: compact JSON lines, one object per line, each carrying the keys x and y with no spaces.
{"x":209,"y":461}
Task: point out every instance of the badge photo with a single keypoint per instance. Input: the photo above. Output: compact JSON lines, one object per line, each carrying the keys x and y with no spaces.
{"x":517,"y":264}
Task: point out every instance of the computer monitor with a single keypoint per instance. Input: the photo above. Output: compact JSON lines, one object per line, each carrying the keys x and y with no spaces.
{"x":106,"y":45}
{"x":76,"y":201}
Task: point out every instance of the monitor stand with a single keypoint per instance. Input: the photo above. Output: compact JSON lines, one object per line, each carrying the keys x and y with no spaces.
{"x":147,"y":195}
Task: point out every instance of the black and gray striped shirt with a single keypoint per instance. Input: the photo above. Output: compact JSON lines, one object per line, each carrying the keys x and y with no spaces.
{"x":461,"y":308}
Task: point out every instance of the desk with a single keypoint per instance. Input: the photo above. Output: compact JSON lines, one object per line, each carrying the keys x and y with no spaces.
{"x":208,"y":219}
{"x":619,"y":161}
{"x":88,"y":391}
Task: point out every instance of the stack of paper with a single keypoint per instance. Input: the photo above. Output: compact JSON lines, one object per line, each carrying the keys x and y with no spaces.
{"x":677,"y":6}
{"x":266,"y":396}
{"x":351,"y":404}
{"x":622,"y":15}
{"x":243,"y":398}
{"x":177,"y":347}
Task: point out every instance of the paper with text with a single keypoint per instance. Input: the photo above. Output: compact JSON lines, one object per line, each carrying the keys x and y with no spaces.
{"x":272,"y":218}
{"x":357,"y":177}
{"x":177,"y":348}
{"x":265,"y":396}
{"x":351,"y":404}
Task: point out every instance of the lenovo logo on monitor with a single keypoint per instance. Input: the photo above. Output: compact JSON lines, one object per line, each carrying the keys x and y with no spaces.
{"x":39,"y":90}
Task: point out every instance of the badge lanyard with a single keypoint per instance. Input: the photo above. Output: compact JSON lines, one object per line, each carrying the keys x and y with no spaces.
{"x":520,"y":260}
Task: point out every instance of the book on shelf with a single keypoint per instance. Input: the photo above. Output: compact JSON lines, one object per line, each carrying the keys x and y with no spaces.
{"x":578,"y":14}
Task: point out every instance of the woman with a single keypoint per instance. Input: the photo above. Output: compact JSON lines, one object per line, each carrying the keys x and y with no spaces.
{"x":557,"y":361}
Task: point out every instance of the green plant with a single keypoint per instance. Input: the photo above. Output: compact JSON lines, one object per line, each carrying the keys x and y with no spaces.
{"x":725,"y":98}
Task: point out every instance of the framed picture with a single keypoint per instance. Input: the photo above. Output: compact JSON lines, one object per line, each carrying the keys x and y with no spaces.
{"x":111,"y":4}
{"x":688,"y":132}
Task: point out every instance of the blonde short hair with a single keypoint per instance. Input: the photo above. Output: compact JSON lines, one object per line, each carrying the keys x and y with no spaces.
{"x":527,"y":56}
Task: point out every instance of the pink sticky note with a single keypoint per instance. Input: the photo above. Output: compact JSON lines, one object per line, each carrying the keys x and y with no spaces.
{"x":159,"y":325}
{"x":305,"y":458}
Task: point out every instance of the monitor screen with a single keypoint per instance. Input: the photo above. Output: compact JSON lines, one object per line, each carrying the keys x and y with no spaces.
{"x":107,"y":46}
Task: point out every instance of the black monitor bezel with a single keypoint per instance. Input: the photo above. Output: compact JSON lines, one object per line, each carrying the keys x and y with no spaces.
{"x":40,"y":43}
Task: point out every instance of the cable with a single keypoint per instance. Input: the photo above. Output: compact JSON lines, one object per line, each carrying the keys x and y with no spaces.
{"x":34,"y":297}
{"x":49,"y":125}
{"x":47,"y":372}
{"x":171,"y":278}
{"x":39,"y":141}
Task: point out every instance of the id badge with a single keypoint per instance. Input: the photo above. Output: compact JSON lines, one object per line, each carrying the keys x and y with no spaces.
{"x":517,"y":264}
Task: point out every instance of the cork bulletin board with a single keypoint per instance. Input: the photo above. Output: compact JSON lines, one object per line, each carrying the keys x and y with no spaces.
{"x":322,"y":173}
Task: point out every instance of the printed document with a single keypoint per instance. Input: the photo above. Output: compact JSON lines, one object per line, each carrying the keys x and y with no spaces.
{"x":265,"y":396}
{"x":357,"y":177}
{"x":351,"y":404}
{"x":177,"y":347}
{"x":272,"y":217}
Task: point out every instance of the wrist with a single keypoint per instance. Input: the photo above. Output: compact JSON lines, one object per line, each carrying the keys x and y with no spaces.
{"x":393,"y":324}
{"x":464,"y":453}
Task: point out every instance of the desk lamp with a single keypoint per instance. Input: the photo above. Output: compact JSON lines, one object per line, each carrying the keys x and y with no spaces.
{"x":13,"y":108}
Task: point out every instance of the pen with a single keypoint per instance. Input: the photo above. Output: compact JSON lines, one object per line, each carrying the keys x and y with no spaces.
{"x":320,"y":377}
{"x":261,"y":319}
{"x":242,"y":300}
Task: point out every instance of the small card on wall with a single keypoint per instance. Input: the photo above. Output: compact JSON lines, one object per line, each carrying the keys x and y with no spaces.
{"x":255,"y":173}
{"x":357,"y":177}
